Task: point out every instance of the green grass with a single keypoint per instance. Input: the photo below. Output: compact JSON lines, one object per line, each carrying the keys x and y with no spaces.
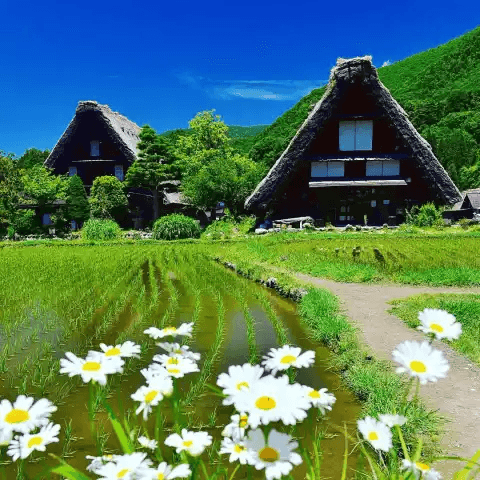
{"x":465,"y":307}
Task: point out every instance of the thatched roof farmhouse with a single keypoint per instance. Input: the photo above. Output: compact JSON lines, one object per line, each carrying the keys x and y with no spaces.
{"x":356,"y":157}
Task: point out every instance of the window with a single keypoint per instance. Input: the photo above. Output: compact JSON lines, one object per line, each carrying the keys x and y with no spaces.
{"x":72,"y":171}
{"x":74,"y":225}
{"x":328,"y":169}
{"x":119,"y":172}
{"x":355,"y":135}
{"x":46,"y":219}
{"x":383,"y":168}
{"x":94,"y":148}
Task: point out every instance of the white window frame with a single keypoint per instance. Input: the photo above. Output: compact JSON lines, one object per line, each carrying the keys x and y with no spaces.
{"x":355,"y":135}
{"x":376,"y":168}
{"x":72,"y":171}
{"x":328,"y":169}
{"x":117,"y":170}
{"x":94,"y":148}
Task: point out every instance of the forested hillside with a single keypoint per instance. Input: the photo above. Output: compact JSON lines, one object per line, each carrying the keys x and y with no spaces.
{"x":440,"y":91}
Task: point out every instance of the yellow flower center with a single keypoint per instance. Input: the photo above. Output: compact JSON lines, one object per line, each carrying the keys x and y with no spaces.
{"x":372,"y":436}
{"x":242,"y":423}
{"x":187,"y":443}
{"x":169,"y":330}
{"x":34,"y":441}
{"x":436,"y":327}
{"x":122,"y":473}
{"x":314,"y":394}
{"x":242,"y":384}
{"x":422,"y":466}
{"x":172,"y":361}
{"x":150,"y":396}
{"x":17,"y":416}
{"x":112,"y":352}
{"x":288,"y":359}
{"x":160,"y":476}
{"x":91,"y":366}
{"x":265,"y":403}
{"x":418,"y":367}
{"x":238,"y":448}
{"x":268,"y":454}
{"x":173,"y":370}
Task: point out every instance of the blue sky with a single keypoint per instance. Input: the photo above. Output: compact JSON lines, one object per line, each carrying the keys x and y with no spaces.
{"x":161,"y":63}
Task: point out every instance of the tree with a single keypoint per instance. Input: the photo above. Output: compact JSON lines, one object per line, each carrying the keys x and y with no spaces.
{"x":32,"y":157}
{"x":10,"y":189}
{"x":78,"y":208}
{"x":212,"y":171}
{"x":107,"y":198}
{"x":155,"y":165}
{"x":41,"y":187}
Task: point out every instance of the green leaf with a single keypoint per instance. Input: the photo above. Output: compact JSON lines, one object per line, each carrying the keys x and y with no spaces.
{"x":463,"y":474}
{"x":120,"y":432}
{"x":67,"y":470}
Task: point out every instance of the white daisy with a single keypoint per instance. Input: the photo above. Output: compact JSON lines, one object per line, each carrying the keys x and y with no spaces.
{"x":5,"y":437}
{"x":392,"y":420}
{"x":321,"y":399}
{"x":150,"y":395}
{"x":124,"y":467}
{"x":237,"y":427}
{"x":184,"y":329}
{"x":192,"y":442}
{"x":439,"y":322}
{"x":377,"y":433}
{"x":166,"y":472}
{"x":95,"y":367}
{"x":24,"y":445}
{"x":24,"y":415}
{"x":98,"y":462}
{"x":237,"y":450}
{"x":127,"y":349}
{"x":271,"y":399}
{"x":276,"y":456}
{"x":287,"y":356}
{"x":176,"y":365}
{"x":239,"y":377}
{"x":177,"y":349}
{"x":421,"y":360}
{"x":145,"y":442}
{"x":421,"y":469}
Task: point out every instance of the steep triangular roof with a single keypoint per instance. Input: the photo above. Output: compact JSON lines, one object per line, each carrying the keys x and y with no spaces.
{"x":123,"y":131}
{"x":346,"y":73}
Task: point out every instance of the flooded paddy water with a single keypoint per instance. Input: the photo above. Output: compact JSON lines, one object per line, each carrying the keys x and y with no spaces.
{"x":71,"y":299}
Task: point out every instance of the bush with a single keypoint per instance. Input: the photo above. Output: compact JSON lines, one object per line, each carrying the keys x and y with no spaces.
{"x":175,"y":226}
{"x":227,"y":226}
{"x":427,"y":215}
{"x":98,"y":229}
{"x":25,"y":222}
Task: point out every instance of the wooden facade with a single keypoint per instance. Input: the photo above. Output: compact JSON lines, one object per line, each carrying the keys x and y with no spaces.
{"x":356,"y":159}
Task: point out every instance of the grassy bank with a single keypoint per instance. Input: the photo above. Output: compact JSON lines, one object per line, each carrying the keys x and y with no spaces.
{"x":465,"y":307}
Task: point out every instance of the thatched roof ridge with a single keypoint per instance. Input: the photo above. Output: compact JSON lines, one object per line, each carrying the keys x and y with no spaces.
{"x":123,"y":131}
{"x":357,"y":70}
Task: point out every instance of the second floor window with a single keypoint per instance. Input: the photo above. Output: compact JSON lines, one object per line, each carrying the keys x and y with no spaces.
{"x":383,"y":168}
{"x":94,"y":148}
{"x":355,"y":135}
{"x":328,"y":169}
{"x":72,"y":171}
{"x":119,"y":172}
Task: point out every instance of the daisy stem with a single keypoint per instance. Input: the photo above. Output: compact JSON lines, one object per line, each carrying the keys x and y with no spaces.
{"x":408,"y":387}
{"x":402,"y":441}
{"x":417,"y":390}
{"x":234,"y":472}
{"x":91,"y":409}
{"x":158,"y":418}
{"x":204,"y":470}
{"x":250,"y":469}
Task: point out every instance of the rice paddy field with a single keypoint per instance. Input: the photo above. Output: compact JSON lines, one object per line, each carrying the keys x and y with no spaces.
{"x":62,"y":299}
{"x":379,"y":256}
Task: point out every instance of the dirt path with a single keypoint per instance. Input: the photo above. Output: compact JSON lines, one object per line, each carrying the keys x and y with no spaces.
{"x":457,"y":396}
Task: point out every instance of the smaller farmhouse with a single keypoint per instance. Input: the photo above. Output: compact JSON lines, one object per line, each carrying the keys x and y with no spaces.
{"x":356,"y":158}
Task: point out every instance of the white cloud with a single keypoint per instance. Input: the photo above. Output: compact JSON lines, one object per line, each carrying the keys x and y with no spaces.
{"x":387,"y":63}
{"x":251,"y":89}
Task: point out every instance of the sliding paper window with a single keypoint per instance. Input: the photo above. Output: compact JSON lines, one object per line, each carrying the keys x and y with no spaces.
{"x":355,"y":135}
{"x":328,"y":169}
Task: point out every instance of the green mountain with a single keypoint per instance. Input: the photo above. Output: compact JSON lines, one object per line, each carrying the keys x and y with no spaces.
{"x":440,"y":91}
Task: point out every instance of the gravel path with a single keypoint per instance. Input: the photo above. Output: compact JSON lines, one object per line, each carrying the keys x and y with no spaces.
{"x":457,"y":397}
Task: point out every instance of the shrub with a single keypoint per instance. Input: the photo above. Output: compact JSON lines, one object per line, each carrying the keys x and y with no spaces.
{"x":25,"y":222}
{"x":427,"y":215}
{"x":98,"y":229}
{"x":175,"y":226}
{"x":227,"y":226}
{"x":107,"y":198}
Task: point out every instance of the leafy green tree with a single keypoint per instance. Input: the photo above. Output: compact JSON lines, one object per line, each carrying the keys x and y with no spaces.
{"x":107,"y":198}
{"x":41,"y":187}
{"x":155,"y":166}
{"x":32,"y":157}
{"x":212,"y":171}
{"x":10,"y":189}
{"x":78,"y":208}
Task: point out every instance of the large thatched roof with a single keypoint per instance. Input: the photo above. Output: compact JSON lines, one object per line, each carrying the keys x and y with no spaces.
{"x":345,"y":74}
{"x":123,"y":132}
